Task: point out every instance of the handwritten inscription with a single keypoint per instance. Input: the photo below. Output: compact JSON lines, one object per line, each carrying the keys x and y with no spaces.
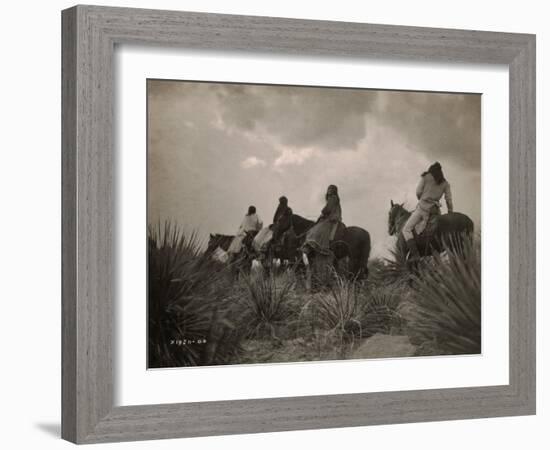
{"x":187,"y":341}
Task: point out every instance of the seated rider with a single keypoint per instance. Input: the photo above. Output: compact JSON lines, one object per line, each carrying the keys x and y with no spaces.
{"x":430,"y":189}
{"x":250,"y":224}
{"x":281,"y":219}
{"x":320,"y":235}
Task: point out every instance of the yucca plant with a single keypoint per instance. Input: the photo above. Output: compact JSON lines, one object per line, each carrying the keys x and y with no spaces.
{"x":448,"y":296}
{"x":390,"y":271}
{"x":266,"y":303}
{"x":339,"y":308}
{"x":376,"y":266}
{"x":379,"y":313}
{"x":186,"y":292}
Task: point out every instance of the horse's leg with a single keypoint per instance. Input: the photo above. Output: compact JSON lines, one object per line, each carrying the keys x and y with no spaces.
{"x":354,"y":266}
{"x":298,"y":268}
{"x":233,"y":266}
{"x":323,"y":266}
{"x":268,"y":255}
{"x":401,"y":245}
{"x":243,"y":264}
{"x":307,"y":267}
{"x":336,"y":265}
{"x":349,"y":262}
{"x":238,"y":266}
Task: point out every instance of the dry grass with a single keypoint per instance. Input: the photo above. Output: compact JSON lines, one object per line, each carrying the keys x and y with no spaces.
{"x":347,"y":312}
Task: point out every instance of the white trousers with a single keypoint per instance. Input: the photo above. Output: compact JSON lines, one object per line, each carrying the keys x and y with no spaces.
{"x":418,"y":219}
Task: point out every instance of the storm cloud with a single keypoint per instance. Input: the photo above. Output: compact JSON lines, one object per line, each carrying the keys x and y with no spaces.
{"x":328,"y":119}
{"x":214,"y":149}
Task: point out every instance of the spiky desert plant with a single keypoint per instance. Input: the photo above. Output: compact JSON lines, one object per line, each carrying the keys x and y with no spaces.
{"x":376,"y":266}
{"x":267,"y":304}
{"x":339,"y":308}
{"x":186,"y":291}
{"x":448,"y":296}
{"x":392,"y":270}
{"x":379,"y":313}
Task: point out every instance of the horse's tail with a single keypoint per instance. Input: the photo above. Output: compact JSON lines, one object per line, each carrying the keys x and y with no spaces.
{"x":459,"y":231}
{"x":470,"y":227}
{"x":366,"y":255}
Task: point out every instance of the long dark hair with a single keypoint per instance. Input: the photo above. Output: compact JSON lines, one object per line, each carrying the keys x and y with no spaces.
{"x":437,"y":172}
{"x":332,"y":190}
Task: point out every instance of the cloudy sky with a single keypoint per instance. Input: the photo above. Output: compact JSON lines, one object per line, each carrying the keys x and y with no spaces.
{"x":214,"y":149}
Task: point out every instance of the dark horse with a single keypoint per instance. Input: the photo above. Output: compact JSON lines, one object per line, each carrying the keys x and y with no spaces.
{"x":353,"y":242}
{"x":448,"y":229}
{"x":288,"y":236}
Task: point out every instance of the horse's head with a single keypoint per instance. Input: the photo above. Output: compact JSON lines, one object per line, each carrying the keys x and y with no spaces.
{"x":396,"y":211}
{"x":213,"y":240}
{"x":301,"y":224}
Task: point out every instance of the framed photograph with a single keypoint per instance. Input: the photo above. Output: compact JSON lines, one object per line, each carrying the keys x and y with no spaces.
{"x":268,"y":222}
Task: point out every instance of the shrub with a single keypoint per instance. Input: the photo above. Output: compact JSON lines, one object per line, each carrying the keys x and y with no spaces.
{"x":266,"y":303}
{"x":379,"y":313}
{"x":390,"y":271}
{"x":339,"y":309}
{"x":186,"y":293}
{"x":448,"y":296}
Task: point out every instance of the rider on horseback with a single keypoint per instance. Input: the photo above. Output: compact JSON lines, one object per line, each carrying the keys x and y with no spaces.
{"x":250,"y":225}
{"x":320,"y":235}
{"x":332,"y":212}
{"x":282,"y":218}
{"x":430,"y":189}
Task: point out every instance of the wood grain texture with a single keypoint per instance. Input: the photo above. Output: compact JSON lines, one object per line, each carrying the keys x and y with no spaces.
{"x":87,"y":259}
{"x":89,"y":36}
{"x":523,"y":224}
{"x":68,"y":225}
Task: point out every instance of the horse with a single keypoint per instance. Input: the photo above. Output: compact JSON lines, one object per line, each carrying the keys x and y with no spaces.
{"x":218,"y":240}
{"x":288,"y":237}
{"x":238,"y":262}
{"x":448,"y":229}
{"x":354,"y":243}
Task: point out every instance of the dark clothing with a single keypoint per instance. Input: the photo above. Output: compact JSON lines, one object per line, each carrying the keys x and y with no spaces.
{"x":282,"y":211}
{"x":281,"y":221}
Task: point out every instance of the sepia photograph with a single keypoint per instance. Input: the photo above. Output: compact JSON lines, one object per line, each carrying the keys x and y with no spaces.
{"x":292,"y":224}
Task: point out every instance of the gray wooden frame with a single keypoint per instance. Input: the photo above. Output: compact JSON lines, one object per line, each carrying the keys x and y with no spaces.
{"x":89,"y":36}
